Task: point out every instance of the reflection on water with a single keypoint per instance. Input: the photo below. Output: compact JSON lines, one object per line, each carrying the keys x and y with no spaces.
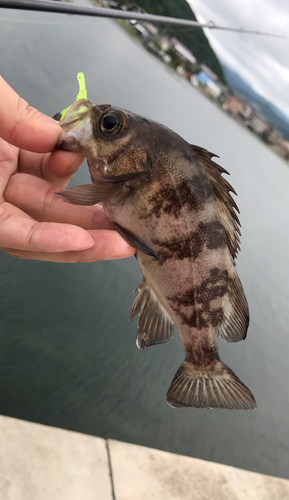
{"x":68,"y":356}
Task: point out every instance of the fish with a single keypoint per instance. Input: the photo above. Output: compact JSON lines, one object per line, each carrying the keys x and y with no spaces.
{"x":169,"y":200}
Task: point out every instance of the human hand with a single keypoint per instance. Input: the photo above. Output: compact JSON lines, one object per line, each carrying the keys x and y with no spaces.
{"x":34,"y":222}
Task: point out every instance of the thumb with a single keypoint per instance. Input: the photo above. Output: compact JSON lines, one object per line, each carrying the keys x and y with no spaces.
{"x":23,"y":126}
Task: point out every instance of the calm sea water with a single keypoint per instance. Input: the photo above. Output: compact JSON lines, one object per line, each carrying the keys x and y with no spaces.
{"x":67,"y":352}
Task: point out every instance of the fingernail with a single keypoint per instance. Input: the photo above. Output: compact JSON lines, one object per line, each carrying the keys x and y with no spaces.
{"x":88,"y":245}
{"x":71,"y":246}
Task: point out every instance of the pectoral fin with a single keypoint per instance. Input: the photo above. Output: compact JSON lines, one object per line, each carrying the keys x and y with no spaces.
{"x":133,"y":240}
{"x":154,"y":325}
{"x":83,"y":195}
{"x":90,"y":194}
{"x":113,"y":188}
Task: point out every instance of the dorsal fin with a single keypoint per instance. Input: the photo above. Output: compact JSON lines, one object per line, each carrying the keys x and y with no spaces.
{"x":226,"y":204}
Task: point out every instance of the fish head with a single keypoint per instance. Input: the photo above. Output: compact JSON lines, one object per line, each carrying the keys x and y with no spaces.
{"x":114,"y":141}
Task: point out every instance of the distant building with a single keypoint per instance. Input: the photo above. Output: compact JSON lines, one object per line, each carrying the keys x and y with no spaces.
{"x":277,"y":143}
{"x":152,"y":29}
{"x":209,"y":72}
{"x":245,"y":111}
{"x":181,"y":70}
{"x":202,"y":78}
{"x":141,"y":31}
{"x":285,"y":150}
{"x":213,"y":86}
{"x":232,"y":104}
{"x":258,"y":125}
{"x":164,"y":42}
{"x":274,"y":136}
{"x":183,"y":51}
{"x":282,"y":149}
{"x":214,"y":89}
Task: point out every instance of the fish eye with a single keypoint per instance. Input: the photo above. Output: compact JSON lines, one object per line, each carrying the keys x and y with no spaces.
{"x":112,"y":123}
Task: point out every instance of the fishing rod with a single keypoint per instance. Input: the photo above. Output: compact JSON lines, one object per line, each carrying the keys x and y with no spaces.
{"x":66,"y":8}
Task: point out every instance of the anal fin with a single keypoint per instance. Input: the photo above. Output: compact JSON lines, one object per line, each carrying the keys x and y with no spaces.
{"x":236,"y":313}
{"x":215,"y":388}
{"x":154,"y":325}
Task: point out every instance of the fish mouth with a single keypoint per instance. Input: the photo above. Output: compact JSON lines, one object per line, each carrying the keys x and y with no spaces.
{"x":76,"y":125}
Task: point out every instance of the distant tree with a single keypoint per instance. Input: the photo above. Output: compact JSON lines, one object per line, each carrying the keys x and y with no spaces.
{"x":175,"y":59}
{"x":193,"y":38}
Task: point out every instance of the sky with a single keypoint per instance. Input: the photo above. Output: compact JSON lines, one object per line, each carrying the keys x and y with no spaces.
{"x":262,"y":61}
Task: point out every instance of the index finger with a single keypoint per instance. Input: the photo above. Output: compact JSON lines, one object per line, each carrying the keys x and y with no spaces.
{"x":24,"y":233}
{"x":24,"y":126}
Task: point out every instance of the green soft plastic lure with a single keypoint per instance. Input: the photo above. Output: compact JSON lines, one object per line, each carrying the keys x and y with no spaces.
{"x":82,"y":94}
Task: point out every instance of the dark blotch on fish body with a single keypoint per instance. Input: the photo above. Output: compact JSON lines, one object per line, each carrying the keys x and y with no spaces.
{"x":210,"y":235}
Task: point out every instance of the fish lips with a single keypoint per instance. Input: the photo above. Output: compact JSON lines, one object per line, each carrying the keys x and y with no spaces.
{"x":76,"y":126}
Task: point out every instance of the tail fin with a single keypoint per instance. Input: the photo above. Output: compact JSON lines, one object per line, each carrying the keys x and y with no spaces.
{"x":217,"y":388}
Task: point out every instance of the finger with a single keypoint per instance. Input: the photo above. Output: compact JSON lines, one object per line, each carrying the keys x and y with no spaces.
{"x":24,"y":126}
{"x":11,"y":209}
{"x":8,"y":163}
{"x":60,"y":166}
{"x":21,"y":233}
{"x":57,"y":167}
{"x":37,"y":198}
{"x":108,"y":245}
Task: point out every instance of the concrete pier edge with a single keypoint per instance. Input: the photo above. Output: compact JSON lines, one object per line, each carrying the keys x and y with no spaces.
{"x":38,"y":462}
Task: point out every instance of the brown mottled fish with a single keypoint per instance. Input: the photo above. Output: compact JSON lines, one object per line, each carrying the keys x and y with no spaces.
{"x":168,"y":199}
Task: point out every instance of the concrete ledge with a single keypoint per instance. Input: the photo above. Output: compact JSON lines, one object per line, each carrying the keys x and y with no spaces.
{"x":143,"y":473}
{"x":44,"y":463}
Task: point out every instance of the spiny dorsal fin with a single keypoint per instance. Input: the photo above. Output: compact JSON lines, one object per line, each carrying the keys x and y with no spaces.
{"x":226,"y":204}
